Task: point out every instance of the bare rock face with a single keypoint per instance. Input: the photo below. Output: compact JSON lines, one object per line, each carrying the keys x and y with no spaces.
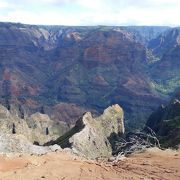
{"x":43,"y":128}
{"x":91,"y":136}
{"x":112,"y":120}
{"x":19,"y":144}
{"x":10,"y":124}
{"x":38,"y":128}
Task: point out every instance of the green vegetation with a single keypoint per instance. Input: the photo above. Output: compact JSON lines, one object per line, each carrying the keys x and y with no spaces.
{"x":173,"y":123}
{"x":63,"y":141}
{"x":105,"y":28}
{"x":166,"y":123}
{"x":167,"y":87}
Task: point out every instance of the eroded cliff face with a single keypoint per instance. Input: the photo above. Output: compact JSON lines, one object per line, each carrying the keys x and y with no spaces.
{"x":92,"y":136}
{"x":38,"y":128}
{"x":90,"y":67}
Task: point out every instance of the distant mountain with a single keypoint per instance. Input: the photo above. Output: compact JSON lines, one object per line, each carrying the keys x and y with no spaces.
{"x":145,"y":34}
{"x":66,"y":71}
{"x":165,"y":42}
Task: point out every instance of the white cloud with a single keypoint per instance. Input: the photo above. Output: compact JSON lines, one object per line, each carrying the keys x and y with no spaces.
{"x":3,"y":4}
{"x":89,"y":12}
{"x":49,"y":18}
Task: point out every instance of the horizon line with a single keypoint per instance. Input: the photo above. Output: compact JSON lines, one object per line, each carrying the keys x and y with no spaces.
{"x":100,"y":25}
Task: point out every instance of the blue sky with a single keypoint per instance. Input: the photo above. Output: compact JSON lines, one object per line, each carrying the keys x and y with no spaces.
{"x":91,"y":12}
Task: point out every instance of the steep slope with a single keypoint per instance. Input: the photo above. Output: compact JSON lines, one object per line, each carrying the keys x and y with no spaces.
{"x":166,"y":122}
{"x":165,"y":41}
{"x":91,"y":67}
{"x":165,"y":72}
{"x":110,"y":68}
{"x":22,"y":66}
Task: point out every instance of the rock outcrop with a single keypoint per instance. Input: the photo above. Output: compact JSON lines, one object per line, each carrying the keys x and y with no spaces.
{"x":91,"y":136}
{"x":20,"y":144}
{"x":38,"y":128}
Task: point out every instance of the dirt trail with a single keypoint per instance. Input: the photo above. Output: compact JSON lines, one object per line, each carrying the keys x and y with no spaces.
{"x":153,"y":164}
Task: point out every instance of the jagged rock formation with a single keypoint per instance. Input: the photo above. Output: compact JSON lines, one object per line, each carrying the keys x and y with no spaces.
{"x":91,"y":136}
{"x":38,"y":128}
{"x":166,"y":122}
